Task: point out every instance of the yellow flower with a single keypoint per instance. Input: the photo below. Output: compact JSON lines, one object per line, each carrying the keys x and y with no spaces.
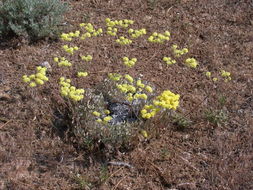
{"x":114,"y":76}
{"x":64,"y":93}
{"x":144,"y":133}
{"x":215,"y":79}
{"x":166,"y":59}
{"x":191,"y":62}
{"x":99,"y":120}
{"x":82,"y":74}
{"x":147,"y":116}
{"x":56,"y":59}
{"x":167,"y":100}
{"x":26,"y":79}
{"x":80,"y":91}
{"x":32,"y":76}
{"x":225,"y":73}
{"x":143,"y":96}
{"x":39,"y":81}
{"x":140,"y":84}
{"x":96,"y":113}
{"x":149,"y":89}
{"x":129,"y":78}
{"x":32,"y":84}
{"x":107,"y":112}
{"x":107,"y":118}
{"x":208,"y":74}
{"x":143,"y":111}
{"x":68,"y":80}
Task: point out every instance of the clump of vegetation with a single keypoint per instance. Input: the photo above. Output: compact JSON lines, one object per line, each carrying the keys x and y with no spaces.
{"x":115,"y":112}
{"x":180,"y":121}
{"x":216,"y":117}
{"x":122,"y":107}
{"x":32,"y":19}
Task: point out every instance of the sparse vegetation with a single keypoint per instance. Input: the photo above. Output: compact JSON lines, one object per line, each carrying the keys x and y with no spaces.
{"x":180,"y":121}
{"x":217,"y":117}
{"x":130,"y":98}
{"x":32,"y":19}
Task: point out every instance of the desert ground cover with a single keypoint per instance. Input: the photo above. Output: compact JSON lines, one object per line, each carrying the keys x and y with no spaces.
{"x":207,"y":144}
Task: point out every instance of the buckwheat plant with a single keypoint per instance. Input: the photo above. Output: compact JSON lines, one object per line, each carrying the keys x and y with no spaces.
{"x":117,"y":110}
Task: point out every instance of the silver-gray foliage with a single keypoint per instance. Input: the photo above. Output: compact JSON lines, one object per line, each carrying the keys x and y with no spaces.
{"x":34,"y":19}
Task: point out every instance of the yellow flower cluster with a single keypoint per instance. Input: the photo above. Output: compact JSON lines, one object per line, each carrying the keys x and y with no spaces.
{"x":69,"y":36}
{"x":169,"y":60}
{"x":122,"y":23}
{"x":70,"y":50}
{"x":191,"y":62}
{"x":166,"y":100}
{"x":215,"y":79}
{"x":86,"y":58}
{"x":140,"y":84}
{"x":137,"y":33}
{"x":144,"y":133}
{"x":208,"y":74}
{"x":140,"y":96}
{"x":226,"y":75}
{"x":114,"y":76}
{"x":125,"y":88}
{"x":179,"y":52}
{"x":124,"y":41}
{"x":90,"y":29}
{"x":82,"y":74}
{"x":149,"y":111}
{"x":36,"y":79}
{"x":62,"y":62}
{"x":130,"y":96}
{"x":129,"y":62}
{"x":112,"y":31}
{"x":69,"y":91}
{"x":159,"y":37}
{"x":104,"y":119}
{"x":133,"y":91}
{"x":96,"y":113}
{"x":129,"y":78}
{"x":85,"y":35}
{"x":107,"y":112}
{"x":148,"y":89}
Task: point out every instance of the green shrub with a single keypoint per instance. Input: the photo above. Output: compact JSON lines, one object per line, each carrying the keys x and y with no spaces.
{"x":33,"y":19}
{"x":217,"y":117}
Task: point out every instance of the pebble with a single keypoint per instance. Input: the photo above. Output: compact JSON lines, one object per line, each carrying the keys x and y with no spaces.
{"x":47,"y":65}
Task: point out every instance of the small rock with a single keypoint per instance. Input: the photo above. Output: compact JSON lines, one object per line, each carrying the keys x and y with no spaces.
{"x":47,"y":65}
{"x":147,"y":18}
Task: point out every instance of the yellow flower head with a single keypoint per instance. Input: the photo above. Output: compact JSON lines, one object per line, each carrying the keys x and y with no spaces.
{"x":96,"y":113}
{"x":129,"y":78}
{"x":149,"y":89}
{"x":191,"y":62}
{"x":107,"y":112}
{"x":114,"y":76}
{"x":208,"y":74}
{"x":107,"y":118}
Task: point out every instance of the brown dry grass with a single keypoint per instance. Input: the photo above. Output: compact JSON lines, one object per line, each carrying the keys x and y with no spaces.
{"x":203,"y":156}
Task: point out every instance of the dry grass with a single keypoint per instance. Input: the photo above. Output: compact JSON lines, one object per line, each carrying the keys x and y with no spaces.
{"x":202,"y":156}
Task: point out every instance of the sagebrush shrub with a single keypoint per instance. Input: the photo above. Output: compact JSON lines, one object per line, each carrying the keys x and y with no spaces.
{"x":33,"y":19}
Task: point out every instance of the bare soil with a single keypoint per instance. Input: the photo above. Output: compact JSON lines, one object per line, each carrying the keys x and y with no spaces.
{"x":218,"y":33}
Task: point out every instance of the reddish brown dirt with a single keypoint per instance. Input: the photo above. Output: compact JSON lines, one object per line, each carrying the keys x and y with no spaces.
{"x":218,"y":34}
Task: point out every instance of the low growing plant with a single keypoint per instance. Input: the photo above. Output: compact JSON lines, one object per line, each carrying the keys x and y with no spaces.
{"x":116,"y":111}
{"x":33,"y":19}
{"x":216,"y":117}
